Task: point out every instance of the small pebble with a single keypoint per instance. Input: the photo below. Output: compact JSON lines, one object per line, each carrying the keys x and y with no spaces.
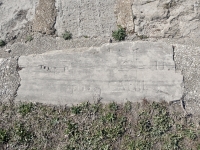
{"x":8,"y":50}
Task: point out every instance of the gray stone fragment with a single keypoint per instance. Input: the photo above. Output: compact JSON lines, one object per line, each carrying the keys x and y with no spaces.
{"x":187,"y":60}
{"x":114,"y":72}
{"x":9,"y":79}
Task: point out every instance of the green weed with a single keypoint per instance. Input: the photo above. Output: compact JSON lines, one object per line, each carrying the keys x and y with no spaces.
{"x":143,"y":145}
{"x":131,"y":145}
{"x":24,"y":135}
{"x":2,"y":43}
{"x":109,"y":117}
{"x":162,"y":123}
{"x":113,"y":106}
{"x":29,"y":38}
{"x":120,"y":34}
{"x":127,"y":106}
{"x":24,"y":109}
{"x":190,"y":134}
{"x":72,"y":129}
{"x":198,"y":147}
{"x":174,"y":142}
{"x":67,"y":35}
{"x":76,"y":109}
{"x":4,"y":136}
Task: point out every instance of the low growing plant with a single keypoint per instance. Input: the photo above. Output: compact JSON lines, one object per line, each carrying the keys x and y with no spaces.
{"x":24,"y":135}
{"x":25,"y":108}
{"x":29,"y":38}
{"x":2,"y":43}
{"x":120,"y":34}
{"x":76,"y":109}
{"x":67,"y":35}
{"x":4,"y":137}
{"x":113,"y":106}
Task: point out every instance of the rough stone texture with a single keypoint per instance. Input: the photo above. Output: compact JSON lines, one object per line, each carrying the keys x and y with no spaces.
{"x":188,"y":61}
{"x":114,"y":72}
{"x":85,"y":17}
{"x":15,"y":15}
{"x":45,"y":17}
{"x":176,"y":19}
{"x":9,"y":79}
{"x":124,"y":14}
{"x":167,"y":19}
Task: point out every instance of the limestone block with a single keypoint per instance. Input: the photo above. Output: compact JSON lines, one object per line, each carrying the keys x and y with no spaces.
{"x":91,"y":18}
{"x":113,"y":72}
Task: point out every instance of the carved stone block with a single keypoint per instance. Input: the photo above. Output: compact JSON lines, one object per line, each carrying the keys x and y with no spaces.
{"x":114,"y":72}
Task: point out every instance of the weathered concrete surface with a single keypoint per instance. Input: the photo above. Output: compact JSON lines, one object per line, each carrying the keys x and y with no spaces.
{"x":45,"y":17}
{"x":115,"y":72}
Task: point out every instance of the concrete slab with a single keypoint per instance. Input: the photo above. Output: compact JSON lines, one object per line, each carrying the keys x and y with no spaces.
{"x":114,"y":72}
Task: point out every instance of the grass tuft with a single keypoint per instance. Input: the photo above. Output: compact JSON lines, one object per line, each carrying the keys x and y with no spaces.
{"x":120,"y":34}
{"x":4,"y":137}
{"x":67,"y":35}
{"x":25,"y":108}
{"x":29,"y":38}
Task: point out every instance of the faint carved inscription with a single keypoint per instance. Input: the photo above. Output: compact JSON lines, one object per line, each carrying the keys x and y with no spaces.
{"x":118,"y":71}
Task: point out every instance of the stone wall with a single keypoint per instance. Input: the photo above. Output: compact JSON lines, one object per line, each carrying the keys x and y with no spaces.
{"x":173,"y":19}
